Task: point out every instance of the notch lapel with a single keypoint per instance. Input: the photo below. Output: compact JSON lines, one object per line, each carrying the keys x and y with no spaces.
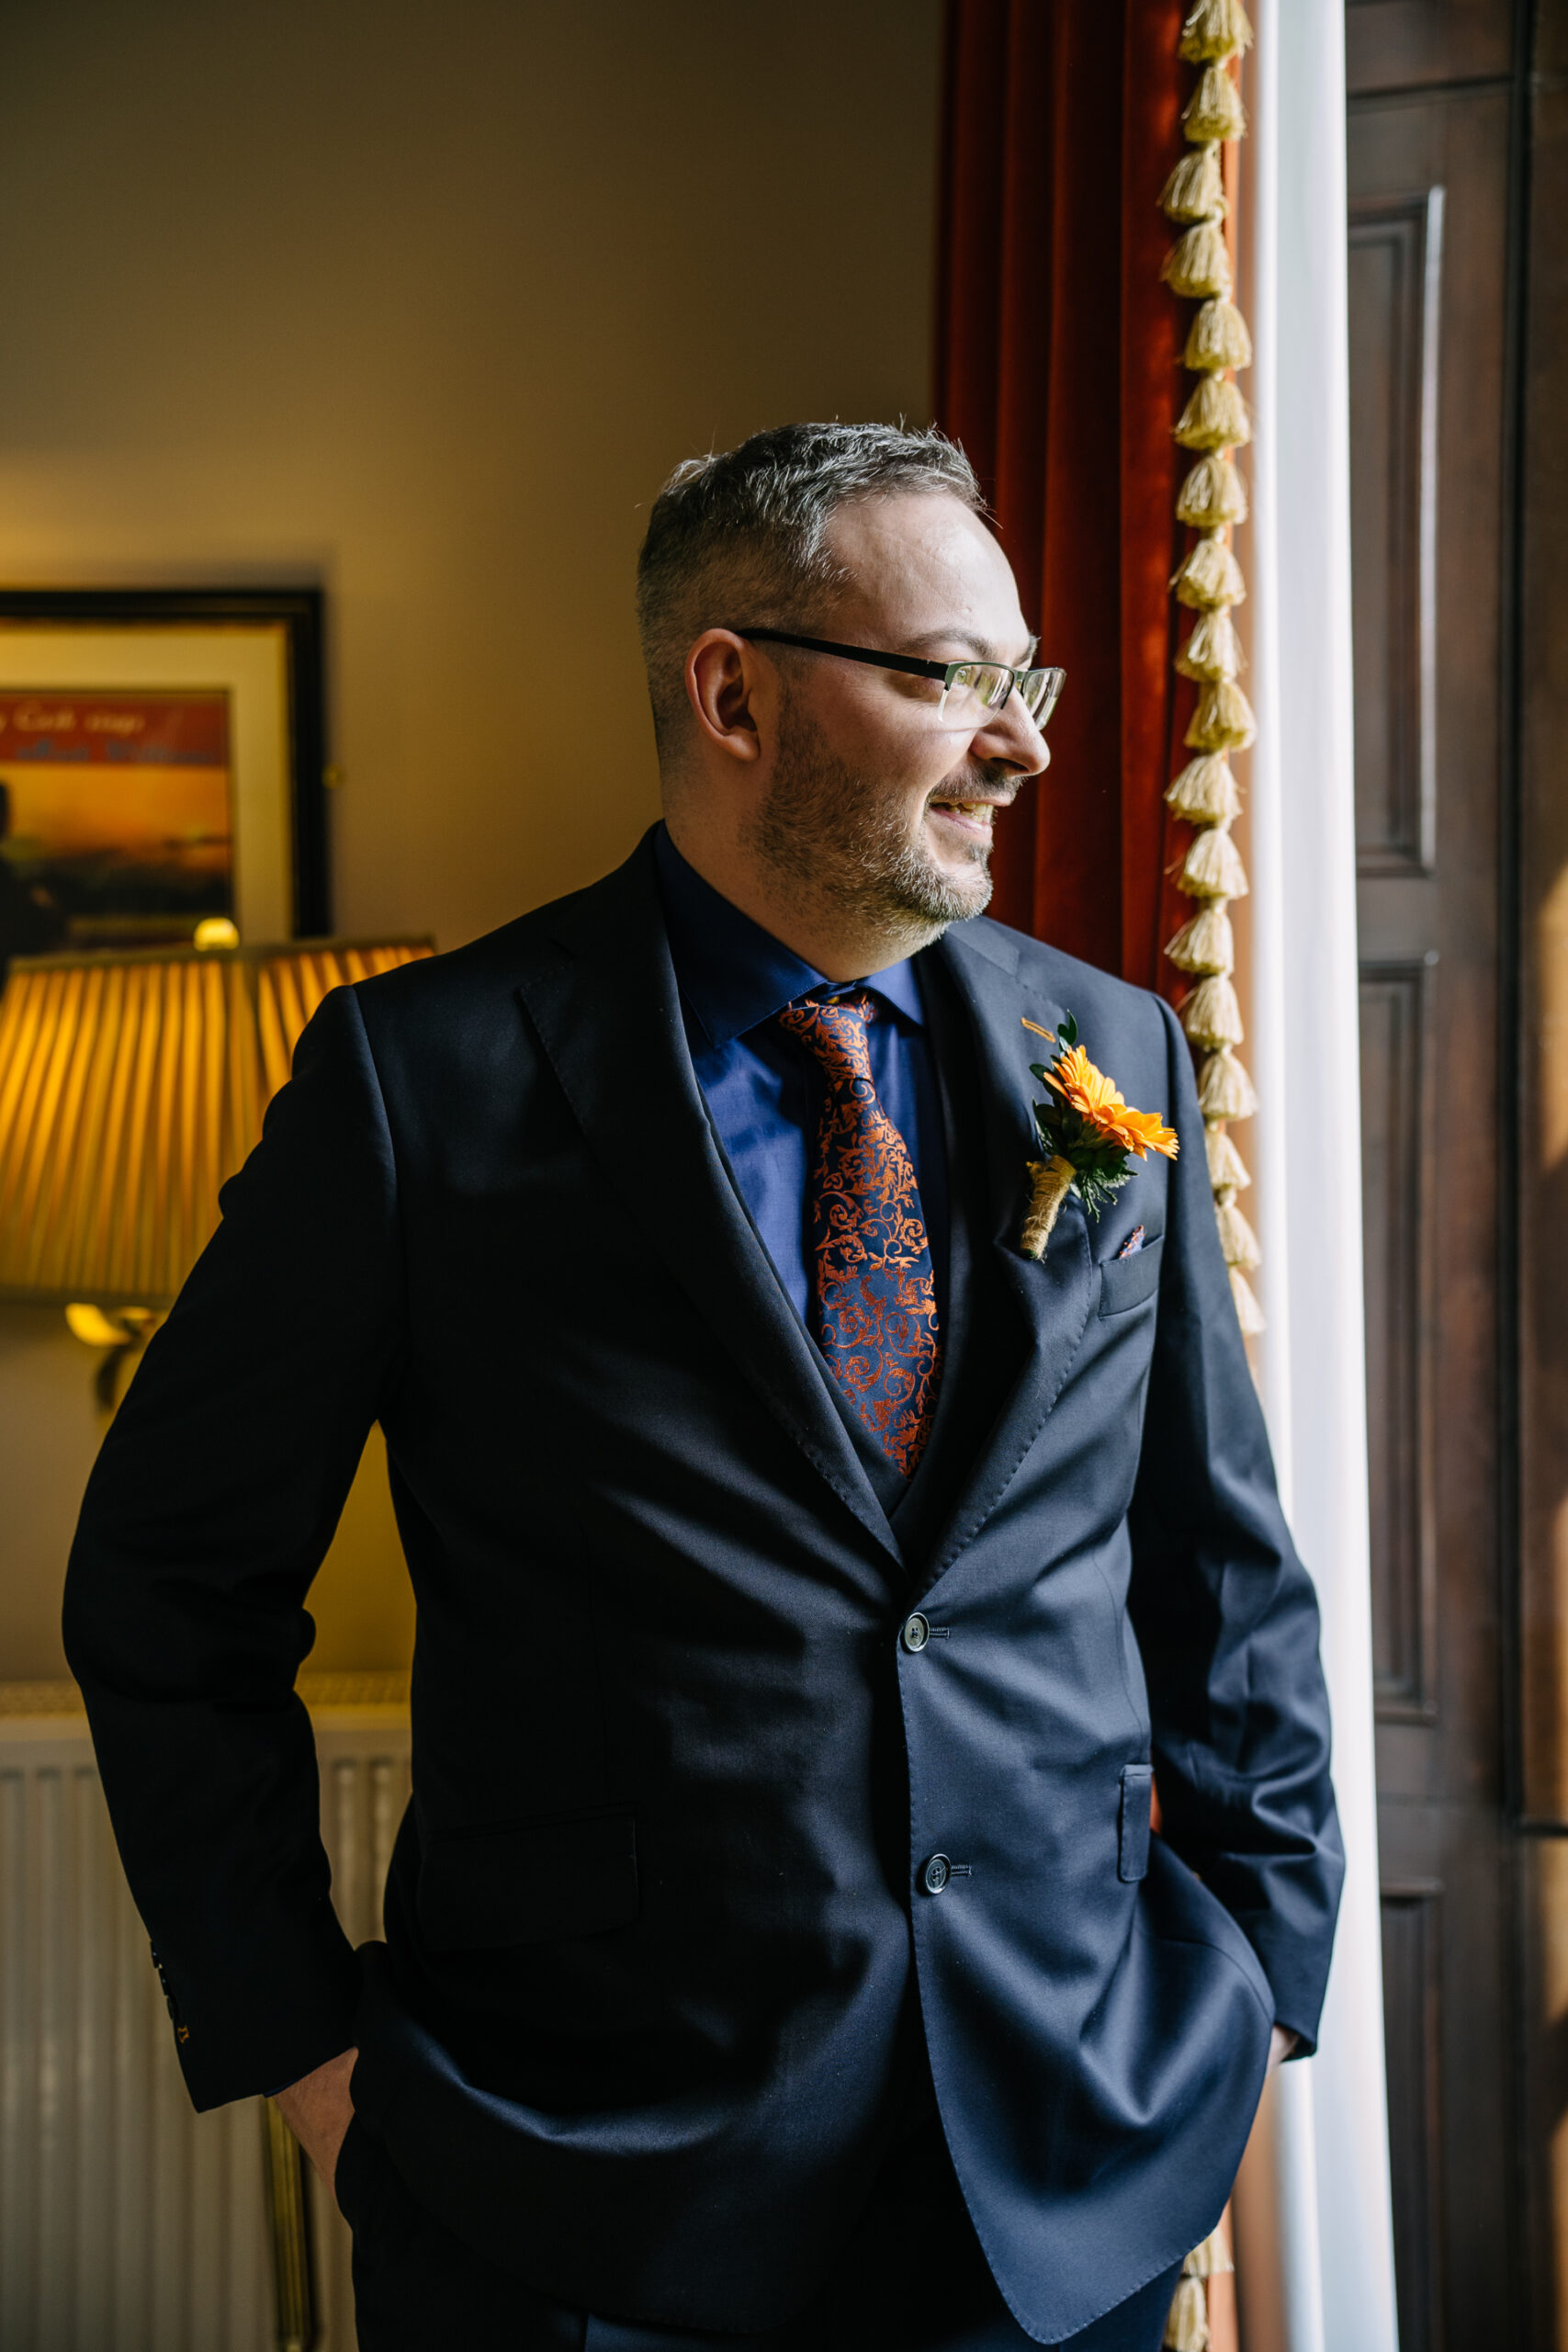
{"x":599,"y":989}
{"x":1053,"y":1295}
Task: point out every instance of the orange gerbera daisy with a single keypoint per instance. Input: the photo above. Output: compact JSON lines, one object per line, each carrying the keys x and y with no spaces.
{"x":1091,"y":1093}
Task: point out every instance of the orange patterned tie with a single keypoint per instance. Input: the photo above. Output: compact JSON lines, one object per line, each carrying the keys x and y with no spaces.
{"x":875,"y":1298}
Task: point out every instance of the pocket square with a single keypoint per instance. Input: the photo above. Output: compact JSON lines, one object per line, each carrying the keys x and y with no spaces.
{"x":1133,"y":1244}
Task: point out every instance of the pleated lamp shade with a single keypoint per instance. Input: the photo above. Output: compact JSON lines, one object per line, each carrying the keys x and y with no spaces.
{"x":132,"y":1087}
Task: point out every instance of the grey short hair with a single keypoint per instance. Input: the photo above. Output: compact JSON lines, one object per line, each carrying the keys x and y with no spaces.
{"x":736,"y":539}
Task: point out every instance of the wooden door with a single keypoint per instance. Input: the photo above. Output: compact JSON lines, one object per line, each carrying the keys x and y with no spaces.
{"x":1434,"y":117}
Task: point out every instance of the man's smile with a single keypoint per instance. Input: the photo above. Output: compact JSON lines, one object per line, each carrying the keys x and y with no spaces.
{"x":966,"y":813}
{"x":972,"y":817}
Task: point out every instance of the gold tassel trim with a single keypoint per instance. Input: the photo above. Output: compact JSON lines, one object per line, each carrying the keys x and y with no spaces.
{"x":1223,"y":721}
{"x":1212,"y":493}
{"x":1211,"y":1015}
{"x":1212,"y":650}
{"x":1213,"y":423}
{"x":1215,"y":31}
{"x":1238,"y":1241}
{"x":1205,"y":793}
{"x":1052,"y":1181}
{"x":1198,"y":264}
{"x":1196,"y":189}
{"x":1214,"y":110}
{"x":1207,"y":944}
{"x":1248,"y":1314}
{"x":1187,"y":2326}
{"x":1214,"y":417}
{"x":1227,"y":1165}
{"x":1225,"y":1089}
{"x":1212,"y":866}
{"x":1217,"y":338}
{"x":1210,"y":577}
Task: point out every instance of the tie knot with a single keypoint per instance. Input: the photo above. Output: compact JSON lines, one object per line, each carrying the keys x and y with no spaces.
{"x":834,"y":1032}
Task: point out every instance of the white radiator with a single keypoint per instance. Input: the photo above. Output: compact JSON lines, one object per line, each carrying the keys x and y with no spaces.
{"x":127,"y":2223}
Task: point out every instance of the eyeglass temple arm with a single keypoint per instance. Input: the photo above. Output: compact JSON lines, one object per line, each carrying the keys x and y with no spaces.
{"x":909,"y":662}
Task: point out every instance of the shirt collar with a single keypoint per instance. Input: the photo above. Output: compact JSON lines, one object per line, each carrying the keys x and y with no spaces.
{"x":731,"y":972}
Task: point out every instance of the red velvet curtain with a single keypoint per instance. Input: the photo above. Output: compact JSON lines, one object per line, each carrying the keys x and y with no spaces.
{"x":1058,"y":367}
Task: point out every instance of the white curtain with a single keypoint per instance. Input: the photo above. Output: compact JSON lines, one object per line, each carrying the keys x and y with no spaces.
{"x":1314,"y":2239}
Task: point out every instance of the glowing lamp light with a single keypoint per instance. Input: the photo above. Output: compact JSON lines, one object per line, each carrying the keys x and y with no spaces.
{"x":132,"y":1085}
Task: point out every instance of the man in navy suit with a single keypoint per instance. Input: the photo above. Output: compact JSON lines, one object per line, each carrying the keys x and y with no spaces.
{"x":810,"y":1582}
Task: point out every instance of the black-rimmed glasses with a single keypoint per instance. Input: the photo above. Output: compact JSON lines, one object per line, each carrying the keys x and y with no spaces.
{"x":969,"y":689}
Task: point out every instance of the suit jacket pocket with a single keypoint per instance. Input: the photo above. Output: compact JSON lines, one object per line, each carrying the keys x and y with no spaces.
{"x":529,"y":1882}
{"x":1137,"y":1787}
{"x":1125,"y":1283}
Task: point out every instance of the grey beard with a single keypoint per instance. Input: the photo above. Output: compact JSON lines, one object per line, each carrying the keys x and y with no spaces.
{"x":832,"y":834}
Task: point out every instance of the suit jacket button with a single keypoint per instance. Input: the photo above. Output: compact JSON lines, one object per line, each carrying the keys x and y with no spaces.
{"x":936,"y":1873}
{"x":917,"y":1632}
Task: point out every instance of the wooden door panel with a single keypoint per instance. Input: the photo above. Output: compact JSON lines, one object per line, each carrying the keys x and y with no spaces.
{"x":1403,"y":44}
{"x":1412,"y":1998}
{"x":1447,"y":1938}
{"x":1429,"y":176}
{"x":1428,"y":223}
{"x":1398,"y":1101}
{"x":1395,"y":288}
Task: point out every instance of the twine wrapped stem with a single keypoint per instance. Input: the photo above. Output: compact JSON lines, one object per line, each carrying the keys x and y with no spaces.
{"x":1052,"y":1181}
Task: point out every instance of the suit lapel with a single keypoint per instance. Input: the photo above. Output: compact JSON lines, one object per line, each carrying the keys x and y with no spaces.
{"x":600,"y":991}
{"x":1051,"y":1297}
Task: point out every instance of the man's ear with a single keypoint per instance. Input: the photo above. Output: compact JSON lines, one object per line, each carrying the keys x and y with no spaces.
{"x":731,"y":692}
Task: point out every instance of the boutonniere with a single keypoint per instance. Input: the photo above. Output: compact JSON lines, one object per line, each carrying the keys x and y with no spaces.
{"x":1089,"y":1134}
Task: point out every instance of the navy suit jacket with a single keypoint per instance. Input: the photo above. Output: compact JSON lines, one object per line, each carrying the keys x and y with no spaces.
{"x":658,"y":1950}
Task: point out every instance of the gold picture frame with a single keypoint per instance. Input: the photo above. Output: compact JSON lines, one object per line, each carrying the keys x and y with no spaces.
{"x":165,"y":753}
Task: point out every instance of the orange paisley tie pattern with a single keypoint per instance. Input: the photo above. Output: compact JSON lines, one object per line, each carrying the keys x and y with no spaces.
{"x":867,"y":1247}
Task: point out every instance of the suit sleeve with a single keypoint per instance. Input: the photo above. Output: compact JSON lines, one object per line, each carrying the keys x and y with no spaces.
{"x":1226,"y":1616}
{"x":210,"y":1510}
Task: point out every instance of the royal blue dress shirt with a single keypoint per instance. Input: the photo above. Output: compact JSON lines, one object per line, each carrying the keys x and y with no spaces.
{"x":764,"y":1089}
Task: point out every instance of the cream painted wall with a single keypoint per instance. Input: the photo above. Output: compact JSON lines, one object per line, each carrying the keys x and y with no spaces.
{"x":49,"y":1429}
{"x":422,"y":303}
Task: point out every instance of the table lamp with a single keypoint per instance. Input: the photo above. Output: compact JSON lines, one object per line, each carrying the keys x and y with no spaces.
{"x":132,"y":1085}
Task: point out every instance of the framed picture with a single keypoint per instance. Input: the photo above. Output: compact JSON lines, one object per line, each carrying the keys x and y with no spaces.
{"x":161,"y":762}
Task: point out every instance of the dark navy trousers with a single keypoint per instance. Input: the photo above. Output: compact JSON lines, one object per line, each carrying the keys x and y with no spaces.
{"x":910,"y":2278}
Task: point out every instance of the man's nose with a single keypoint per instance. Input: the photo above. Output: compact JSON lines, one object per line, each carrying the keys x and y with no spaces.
{"x":1011,"y":738}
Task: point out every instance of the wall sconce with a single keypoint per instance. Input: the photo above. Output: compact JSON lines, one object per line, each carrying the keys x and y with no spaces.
{"x":132,"y":1085}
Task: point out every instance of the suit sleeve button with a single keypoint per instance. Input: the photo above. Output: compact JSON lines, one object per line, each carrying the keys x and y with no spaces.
{"x":936,"y":1873}
{"x":916,"y":1632}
